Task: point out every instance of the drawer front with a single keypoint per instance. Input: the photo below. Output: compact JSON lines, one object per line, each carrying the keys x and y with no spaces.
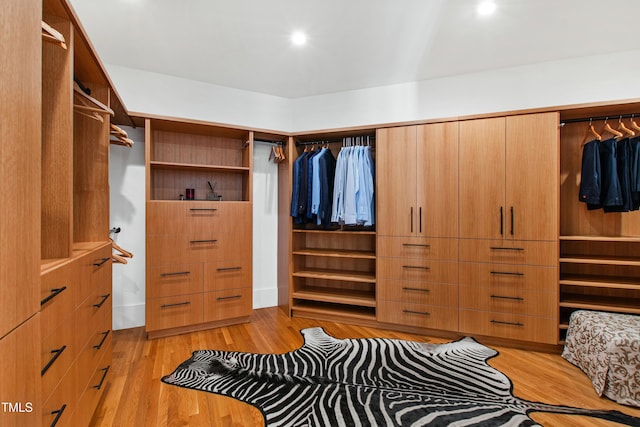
{"x":515,"y":300}
{"x":58,"y":353}
{"x":181,"y":249}
{"x":418,"y":292}
{"x":227,"y":275}
{"x":92,"y":355}
{"x":227,"y":304}
{"x":418,"y":248}
{"x":93,"y":312}
{"x":56,"y":296}
{"x":93,"y":269}
{"x":61,"y":403}
{"x":424,"y":316}
{"x":416,"y":269}
{"x":505,"y":277}
{"x":91,"y":395}
{"x":509,"y":251}
{"x":173,"y":312}
{"x":172,"y":280}
{"x":510,"y":326}
{"x":183,"y":217}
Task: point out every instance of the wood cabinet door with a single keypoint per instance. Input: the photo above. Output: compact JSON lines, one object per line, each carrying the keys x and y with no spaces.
{"x":482,"y":178}
{"x":532,"y":186}
{"x":437,"y":180}
{"x":396,"y":181}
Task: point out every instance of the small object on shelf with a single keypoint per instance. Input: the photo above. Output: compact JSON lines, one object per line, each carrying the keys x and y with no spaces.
{"x":191,"y":193}
{"x":182,"y":197}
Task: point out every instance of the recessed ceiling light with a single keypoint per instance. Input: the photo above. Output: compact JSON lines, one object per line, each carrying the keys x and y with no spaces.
{"x":298,"y":38}
{"x":486,"y":7}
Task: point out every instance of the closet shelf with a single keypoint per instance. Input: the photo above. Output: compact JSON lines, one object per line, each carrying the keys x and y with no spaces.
{"x":336,"y":253}
{"x":602,"y":303}
{"x":597,"y":259}
{"x":628,"y":239}
{"x":185,"y":166}
{"x":340,"y":296}
{"x":632,"y":283}
{"x":336,"y":231}
{"x":331,"y":311}
{"x":345,"y":276}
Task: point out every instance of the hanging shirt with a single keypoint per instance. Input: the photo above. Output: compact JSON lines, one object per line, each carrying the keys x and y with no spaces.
{"x":591,"y":176}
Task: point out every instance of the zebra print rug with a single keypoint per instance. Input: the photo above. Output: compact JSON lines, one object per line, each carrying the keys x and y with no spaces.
{"x":370,"y":382}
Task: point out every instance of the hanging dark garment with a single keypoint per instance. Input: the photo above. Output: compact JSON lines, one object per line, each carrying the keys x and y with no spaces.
{"x":611,"y":194}
{"x":591,"y":178}
{"x":623,"y":165}
{"x":634,"y":146}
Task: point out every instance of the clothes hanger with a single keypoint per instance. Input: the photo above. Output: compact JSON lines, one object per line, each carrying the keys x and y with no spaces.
{"x":591,"y":133}
{"x":634,"y":125}
{"x":607,"y":128}
{"x":123,"y":252}
{"x":623,"y":128}
{"x":93,"y":115}
{"x":84,"y":98}
{"x":118,"y":259}
{"x":51,"y":35}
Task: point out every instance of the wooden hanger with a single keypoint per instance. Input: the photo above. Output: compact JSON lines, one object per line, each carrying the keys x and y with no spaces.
{"x":634,"y":125}
{"x":51,"y":35}
{"x":607,"y":128}
{"x":123,"y":253}
{"x":591,"y":132}
{"x":93,"y":115}
{"x":623,"y":128}
{"x":118,"y":259}
{"x":84,"y":99}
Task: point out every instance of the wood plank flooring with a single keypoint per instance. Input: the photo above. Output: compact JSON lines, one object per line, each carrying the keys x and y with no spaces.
{"x":136,"y":396}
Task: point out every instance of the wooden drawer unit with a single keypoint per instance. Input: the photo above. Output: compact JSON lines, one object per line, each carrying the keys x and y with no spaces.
{"x":89,"y":360}
{"x":184,"y":217}
{"x":92,"y":268}
{"x":57,"y":296}
{"x":509,"y":251}
{"x":509,"y":325}
{"x":174,"y":312}
{"x":58,"y":353}
{"x":418,"y":292}
{"x":90,"y":314}
{"x":227,"y":275}
{"x":177,"y":249}
{"x":503,"y":277}
{"x":91,"y":395}
{"x":59,"y":406}
{"x":424,"y":316}
{"x":515,"y":300}
{"x":416,"y":247}
{"x":227,"y":304}
{"x":417,"y":269}
{"x":171,"y":280}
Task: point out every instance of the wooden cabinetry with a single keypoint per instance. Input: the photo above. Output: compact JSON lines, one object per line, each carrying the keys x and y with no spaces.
{"x":199,"y":252}
{"x":418,"y":225}
{"x":599,"y":263}
{"x":509,"y":226}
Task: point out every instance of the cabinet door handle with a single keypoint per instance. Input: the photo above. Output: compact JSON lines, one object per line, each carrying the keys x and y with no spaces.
{"x":502,"y":248}
{"x":507,"y":323}
{"x":230,"y":297}
{"x":104,"y":338}
{"x":177,"y":273}
{"x":424,"y":313}
{"x":420,"y":222}
{"x":415,"y":245}
{"x":203,"y":209}
{"x":229,"y":269}
{"x":104,"y":299}
{"x":506,"y":273}
{"x":101,"y":262}
{"x":412,"y":219}
{"x":405,"y":288}
{"x":54,"y":293}
{"x":58,"y":414}
{"x":176,"y":304}
{"x":501,"y":221}
{"x":509,"y":298}
{"x":104,"y":376}
{"x":416,"y":267}
{"x":512,"y":220}
{"x":56,"y":353}
{"x":203,"y":241}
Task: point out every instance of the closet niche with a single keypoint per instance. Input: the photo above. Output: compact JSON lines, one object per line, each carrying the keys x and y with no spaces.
{"x":333,"y":266}
{"x":599,"y":262}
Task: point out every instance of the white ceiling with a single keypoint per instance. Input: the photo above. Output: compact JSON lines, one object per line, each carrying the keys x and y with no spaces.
{"x":353,"y":44}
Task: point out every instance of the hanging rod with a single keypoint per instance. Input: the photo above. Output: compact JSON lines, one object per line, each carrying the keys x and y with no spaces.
{"x":601,"y":118}
{"x":334,"y":140}
{"x":267,"y":141}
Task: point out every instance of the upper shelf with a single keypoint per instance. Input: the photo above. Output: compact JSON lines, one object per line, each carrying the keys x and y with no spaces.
{"x":627,"y":239}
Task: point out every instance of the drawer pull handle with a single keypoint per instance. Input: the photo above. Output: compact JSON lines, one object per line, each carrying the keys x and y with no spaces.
{"x":230,"y":297}
{"x":507,"y":323}
{"x":101,"y":262}
{"x":203,"y":241}
{"x":505,"y":297}
{"x":229,"y":269}
{"x":104,"y":299}
{"x":502,"y":248}
{"x":424,"y":313}
{"x":58,"y":414}
{"x":415,"y":245}
{"x":54,"y":293}
{"x":415,"y":289}
{"x":104,"y":338}
{"x":177,"y":273}
{"x":203,"y":209}
{"x":415,"y":267}
{"x":175,"y":305}
{"x":56,"y":354}
{"x":104,"y":376}
{"x":507,"y":273}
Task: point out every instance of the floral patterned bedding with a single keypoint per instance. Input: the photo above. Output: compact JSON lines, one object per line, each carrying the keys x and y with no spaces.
{"x":606,"y":346}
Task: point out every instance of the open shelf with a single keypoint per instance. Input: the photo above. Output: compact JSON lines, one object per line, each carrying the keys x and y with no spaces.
{"x":586,"y":280}
{"x":595,"y":238}
{"x":172,"y":165}
{"x":332,"y":311}
{"x":336,"y":296}
{"x":597,"y":259}
{"x":336,"y":253}
{"x":601,"y":303}
{"x":341,"y":275}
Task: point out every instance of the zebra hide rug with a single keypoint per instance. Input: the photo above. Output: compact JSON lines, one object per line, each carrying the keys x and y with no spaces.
{"x":370,"y":382}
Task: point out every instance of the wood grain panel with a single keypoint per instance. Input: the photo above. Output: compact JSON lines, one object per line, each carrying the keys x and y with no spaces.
{"x":503,"y":277}
{"x":515,"y":300}
{"x":430,"y":271}
{"x":227,"y":304}
{"x":418,"y":292}
{"x":418,"y":247}
{"x":63,"y":398}
{"x":173,"y":312}
{"x":61,"y":282}
{"x":168,"y":217}
{"x":227,"y":275}
{"x":63,"y":342}
{"x":509,"y":325}
{"x":511,"y":252}
{"x":424,"y":316}
{"x":172,"y":280}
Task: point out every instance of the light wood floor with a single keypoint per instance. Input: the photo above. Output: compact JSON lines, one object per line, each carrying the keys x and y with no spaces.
{"x":136,"y":396}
